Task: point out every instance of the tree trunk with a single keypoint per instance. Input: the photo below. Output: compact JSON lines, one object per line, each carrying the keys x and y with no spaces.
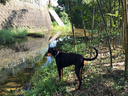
{"x":126,"y":37}
{"x":107,"y":33}
{"x":72,"y":25}
{"x":123,"y":30}
{"x":83,"y":23}
{"x":92,"y":23}
{"x":112,"y":38}
{"x":99,"y":32}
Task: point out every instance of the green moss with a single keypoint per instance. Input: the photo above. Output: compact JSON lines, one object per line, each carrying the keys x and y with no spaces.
{"x":36,"y":34}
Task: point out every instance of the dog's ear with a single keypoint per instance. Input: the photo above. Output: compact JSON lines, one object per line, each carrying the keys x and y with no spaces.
{"x":48,"y":46}
{"x":54,"y":49}
{"x":51,"y":49}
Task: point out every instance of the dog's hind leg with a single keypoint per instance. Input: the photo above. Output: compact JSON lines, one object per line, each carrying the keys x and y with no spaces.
{"x":79,"y":76}
{"x":62,"y":72}
{"x":80,"y":73}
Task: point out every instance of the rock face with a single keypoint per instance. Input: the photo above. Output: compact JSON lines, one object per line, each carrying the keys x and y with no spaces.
{"x":23,"y":14}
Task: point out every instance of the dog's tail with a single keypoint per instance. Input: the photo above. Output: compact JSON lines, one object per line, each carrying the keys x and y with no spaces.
{"x":90,"y":59}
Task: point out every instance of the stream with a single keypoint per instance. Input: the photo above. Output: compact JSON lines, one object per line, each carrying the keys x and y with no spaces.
{"x":17,"y":58}
{"x":21,"y":80}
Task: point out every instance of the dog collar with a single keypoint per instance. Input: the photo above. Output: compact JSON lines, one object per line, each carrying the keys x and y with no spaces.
{"x":56,"y":54}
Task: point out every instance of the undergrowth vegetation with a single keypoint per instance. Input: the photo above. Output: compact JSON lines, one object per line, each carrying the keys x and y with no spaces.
{"x":66,"y":46}
{"x":64,"y":29}
{"x":10,"y":35}
{"x":44,"y":82}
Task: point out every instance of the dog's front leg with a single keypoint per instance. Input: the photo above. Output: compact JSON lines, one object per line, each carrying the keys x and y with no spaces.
{"x":59,"y":71}
{"x":62,"y":72}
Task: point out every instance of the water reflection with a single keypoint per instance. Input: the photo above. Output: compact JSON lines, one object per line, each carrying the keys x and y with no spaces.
{"x":49,"y":58}
{"x":53,"y":44}
{"x":49,"y":61}
{"x":20,"y":55}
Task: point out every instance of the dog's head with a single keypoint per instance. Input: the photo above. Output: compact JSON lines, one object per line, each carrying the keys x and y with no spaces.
{"x":51,"y":51}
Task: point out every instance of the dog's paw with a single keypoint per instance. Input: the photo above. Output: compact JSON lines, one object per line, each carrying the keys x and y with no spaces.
{"x":77,"y":88}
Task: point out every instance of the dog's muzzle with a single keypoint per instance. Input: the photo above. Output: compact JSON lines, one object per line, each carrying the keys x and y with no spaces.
{"x":47,"y":54}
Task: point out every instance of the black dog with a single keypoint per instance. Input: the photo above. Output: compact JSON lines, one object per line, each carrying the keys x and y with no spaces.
{"x":67,"y":59}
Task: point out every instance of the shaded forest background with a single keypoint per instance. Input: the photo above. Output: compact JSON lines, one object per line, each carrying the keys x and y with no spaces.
{"x":106,"y":18}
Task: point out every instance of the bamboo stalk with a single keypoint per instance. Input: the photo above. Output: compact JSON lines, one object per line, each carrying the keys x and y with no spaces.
{"x":126,"y":37}
{"x":109,"y":46}
{"x":72,"y":24}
